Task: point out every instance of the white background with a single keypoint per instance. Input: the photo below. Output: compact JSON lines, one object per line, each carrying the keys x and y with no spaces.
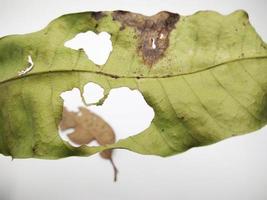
{"x":229,"y":170}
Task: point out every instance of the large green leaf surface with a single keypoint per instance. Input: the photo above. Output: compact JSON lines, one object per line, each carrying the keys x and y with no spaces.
{"x":209,"y":84}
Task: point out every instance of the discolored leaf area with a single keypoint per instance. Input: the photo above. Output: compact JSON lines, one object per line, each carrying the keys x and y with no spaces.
{"x":205,"y":75}
{"x":88,"y":127}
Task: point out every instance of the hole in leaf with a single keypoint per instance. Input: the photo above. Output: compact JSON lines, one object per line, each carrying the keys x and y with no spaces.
{"x":72,"y":99}
{"x":125,"y":110}
{"x":29,"y":68}
{"x":92,"y":93}
{"x":154,"y":46}
{"x":96,"y":46}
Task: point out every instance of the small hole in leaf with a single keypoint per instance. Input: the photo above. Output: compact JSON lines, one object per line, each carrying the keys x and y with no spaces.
{"x":96,"y":46}
{"x":92,"y":93}
{"x":28,"y":68}
{"x":154,"y":46}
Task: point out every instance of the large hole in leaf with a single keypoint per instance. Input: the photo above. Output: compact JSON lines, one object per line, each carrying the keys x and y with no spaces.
{"x":125,"y":110}
{"x":96,"y":46}
{"x":123,"y":113}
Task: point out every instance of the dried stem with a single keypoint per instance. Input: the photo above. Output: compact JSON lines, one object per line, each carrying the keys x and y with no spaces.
{"x":114,"y":169}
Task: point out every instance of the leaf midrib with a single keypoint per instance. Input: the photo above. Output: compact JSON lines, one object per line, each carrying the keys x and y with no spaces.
{"x":135,"y":77}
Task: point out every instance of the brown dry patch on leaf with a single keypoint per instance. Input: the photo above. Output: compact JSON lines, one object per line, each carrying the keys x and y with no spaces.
{"x":97,"y":15}
{"x":153,"y":32}
{"x":88,"y":127}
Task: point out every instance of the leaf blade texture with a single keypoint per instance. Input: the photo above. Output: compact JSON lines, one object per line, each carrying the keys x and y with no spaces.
{"x":206,"y":80}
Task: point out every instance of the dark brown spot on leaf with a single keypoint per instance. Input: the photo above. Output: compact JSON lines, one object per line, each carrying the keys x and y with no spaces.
{"x":97,"y":15}
{"x":153,"y":32}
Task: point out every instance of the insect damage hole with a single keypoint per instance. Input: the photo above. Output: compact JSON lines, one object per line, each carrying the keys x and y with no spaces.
{"x":92,"y":93}
{"x":27,"y":69}
{"x":72,"y":99}
{"x":153,"y":43}
{"x":125,"y":110}
{"x":97,"y":47}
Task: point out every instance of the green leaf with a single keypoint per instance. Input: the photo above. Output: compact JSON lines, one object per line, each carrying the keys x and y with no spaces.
{"x":206,"y":80}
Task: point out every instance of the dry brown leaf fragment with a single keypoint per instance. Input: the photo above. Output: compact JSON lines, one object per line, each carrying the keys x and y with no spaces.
{"x":88,"y":127}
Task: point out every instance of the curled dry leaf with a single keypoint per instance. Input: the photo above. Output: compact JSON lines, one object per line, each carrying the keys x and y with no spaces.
{"x":88,"y":127}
